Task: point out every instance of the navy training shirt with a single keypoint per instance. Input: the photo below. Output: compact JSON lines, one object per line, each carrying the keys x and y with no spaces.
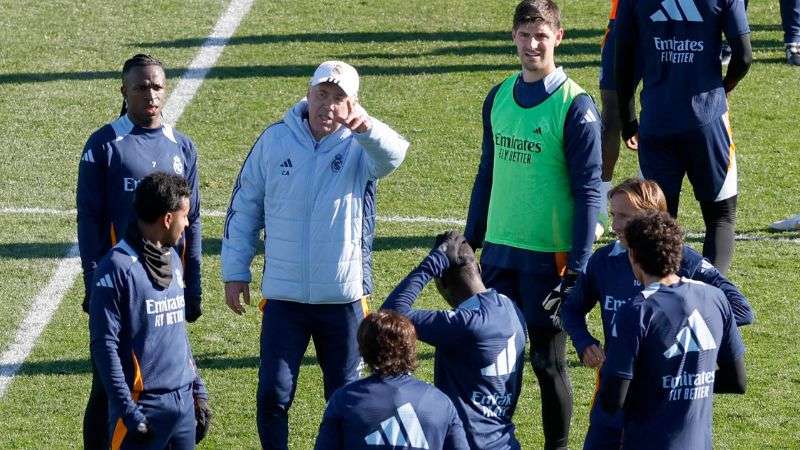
{"x":116,"y":157}
{"x":609,"y":281}
{"x":678,"y":43}
{"x":582,"y":150}
{"x":479,"y":354}
{"x":668,"y":342}
{"x":390,"y":412}
{"x":138,"y":334}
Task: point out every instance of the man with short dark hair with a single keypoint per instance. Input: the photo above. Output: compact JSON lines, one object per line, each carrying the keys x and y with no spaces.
{"x":536,"y":198}
{"x":480,"y":343}
{"x":671,"y":347}
{"x":138,"y":336}
{"x":310,"y":183}
{"x":116,"y":157}
{"x":390,"y":408}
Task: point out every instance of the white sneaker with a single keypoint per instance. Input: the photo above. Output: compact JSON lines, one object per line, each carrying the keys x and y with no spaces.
{"x":793,"y":54}
{"x":789,"y":224}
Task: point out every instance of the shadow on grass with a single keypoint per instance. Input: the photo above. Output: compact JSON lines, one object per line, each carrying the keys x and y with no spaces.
{"x":278,"y":71}
{"x":204,"y":362}
{"x":362,"y":37}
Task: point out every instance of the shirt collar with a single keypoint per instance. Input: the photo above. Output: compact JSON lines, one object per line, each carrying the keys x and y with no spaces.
{"x":618,"y":249}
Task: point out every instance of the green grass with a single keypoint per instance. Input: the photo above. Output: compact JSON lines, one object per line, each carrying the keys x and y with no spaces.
{"x":426,"y":68}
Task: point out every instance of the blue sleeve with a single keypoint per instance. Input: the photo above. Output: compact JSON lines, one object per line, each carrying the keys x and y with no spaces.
{"x":331,"y":435}
{"x":433,"y":327}
{"x":582,"y":150}
{"x":573,"y":312}
{"x":94,"y":226}
{"x":731,"y":347}
{"x":734,"y":20}
{"x":623,"y":346}
{"x":475,"y":229}
{"x":455,"y":438}
{"x":625,"y":26}
{"x":707,"y":273}
{"x":106,"y":329}
{"x":194,"y":238}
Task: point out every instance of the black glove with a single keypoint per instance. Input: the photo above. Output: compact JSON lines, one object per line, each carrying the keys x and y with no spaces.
{"x":192,"y":309}
{"x":85,"y":304}
{"x":202,"y":414}
{"x":629,"y":129}
{"x":552,"y":303}
{"x":451,"y":243}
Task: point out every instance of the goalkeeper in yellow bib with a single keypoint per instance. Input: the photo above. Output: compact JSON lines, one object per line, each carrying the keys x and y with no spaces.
{"x":536,"y":197}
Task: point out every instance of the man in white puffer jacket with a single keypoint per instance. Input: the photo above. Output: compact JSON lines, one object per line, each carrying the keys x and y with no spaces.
{"x":309,"y":182}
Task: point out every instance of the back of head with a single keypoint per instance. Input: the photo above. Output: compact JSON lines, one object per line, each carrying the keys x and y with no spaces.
{"x":655,"y":241}
{"x":388,"y":343}
{"x":530,"y":11}
{"x":645,"y":195}
{"x":158,"y":194}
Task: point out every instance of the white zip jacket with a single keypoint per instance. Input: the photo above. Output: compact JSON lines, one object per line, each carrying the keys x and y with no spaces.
{"x":316,"y":204}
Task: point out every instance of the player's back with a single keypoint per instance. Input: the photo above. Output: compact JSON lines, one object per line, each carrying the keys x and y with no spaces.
{"x":679,"y":43}
{"x":390,"y":412}
{"x":683,"y":329}
{"x":481,"y":371}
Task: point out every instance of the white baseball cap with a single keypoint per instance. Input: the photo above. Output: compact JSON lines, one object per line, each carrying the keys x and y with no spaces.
{"x":340,"y":73}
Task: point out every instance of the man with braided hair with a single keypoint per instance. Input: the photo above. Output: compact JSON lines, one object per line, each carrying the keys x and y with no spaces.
{"x":116,"y":157}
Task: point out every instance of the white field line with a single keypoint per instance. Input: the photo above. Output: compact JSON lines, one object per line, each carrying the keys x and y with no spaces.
{"x":390,"y":219}
{"x":68,"y":269}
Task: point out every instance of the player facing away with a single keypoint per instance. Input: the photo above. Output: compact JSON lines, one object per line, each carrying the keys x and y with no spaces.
{"x":610,"y":282}
{"x":310,"y":183}
{"x":139,"y":344}
{"x":389,"y":409}
{"x":479,"y":343}
{"x":536,"y":197}
{"x":116,"y":157}
{"x":685,"y":129}
{"x":671,"y":348}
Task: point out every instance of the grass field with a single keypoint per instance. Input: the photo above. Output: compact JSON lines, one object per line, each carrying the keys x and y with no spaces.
{"x":426,"y":67}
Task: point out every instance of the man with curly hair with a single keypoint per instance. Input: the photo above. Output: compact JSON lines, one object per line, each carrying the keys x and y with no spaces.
{"x":390,"y":408}
{"x":672,"y":347}
{"x":479,"y":343}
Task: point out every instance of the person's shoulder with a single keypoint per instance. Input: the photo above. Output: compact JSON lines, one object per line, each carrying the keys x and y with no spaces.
{"x":101,"y":136}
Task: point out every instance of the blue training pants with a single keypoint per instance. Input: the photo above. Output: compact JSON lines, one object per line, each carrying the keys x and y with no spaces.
{"x":285,"y":332}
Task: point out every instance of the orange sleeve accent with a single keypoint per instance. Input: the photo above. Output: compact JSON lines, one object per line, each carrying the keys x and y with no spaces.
{"x":120,"y":430}
{"x":596,"y":387}
{"x":561,"y":262}
{"x":262,"y":305}
{"x":613,"y":14}
{"x":113,"y":235}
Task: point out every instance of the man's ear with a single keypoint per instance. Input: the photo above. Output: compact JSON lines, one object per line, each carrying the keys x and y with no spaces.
{"x":559,"y":36}
{"x":167,"y":220}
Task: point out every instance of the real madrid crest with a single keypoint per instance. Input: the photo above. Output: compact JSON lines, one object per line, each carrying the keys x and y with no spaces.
{"x":337,"y":163}
{"x":177,"y":165}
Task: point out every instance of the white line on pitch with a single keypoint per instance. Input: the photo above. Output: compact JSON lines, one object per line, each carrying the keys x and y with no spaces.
{"x":68,"y":269}
{"x":390,"y":219}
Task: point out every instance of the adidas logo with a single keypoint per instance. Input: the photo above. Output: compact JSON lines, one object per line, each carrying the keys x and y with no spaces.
{"x":105,"y":282}
{"x":409,"y":435}
{"x":88,"y":156}
{"x":537,"y":130}
{"x":285,"y":166}
{"x":695,"y":337}
{"x":589,"y":117}
{"x":671,"y":7}
{"x":505,"y":362}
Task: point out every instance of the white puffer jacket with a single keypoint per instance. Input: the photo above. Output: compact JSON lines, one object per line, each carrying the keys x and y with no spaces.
{"x":315,"y":202}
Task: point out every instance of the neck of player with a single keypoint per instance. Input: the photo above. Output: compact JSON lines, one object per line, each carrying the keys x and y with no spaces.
{"x":531,"y":76}
{"x":148,"y":122}
{"x":153,"y":232}
{"x":668,"y":280}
